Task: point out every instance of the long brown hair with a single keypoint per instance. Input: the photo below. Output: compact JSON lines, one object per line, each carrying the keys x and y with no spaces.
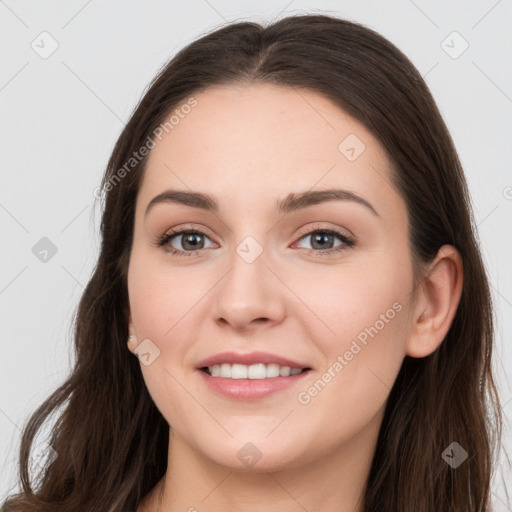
{"x":110,"y":438}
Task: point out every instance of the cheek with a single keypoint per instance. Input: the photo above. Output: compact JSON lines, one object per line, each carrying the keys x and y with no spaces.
{"x":159,"y":302}
{"x":367,"y":315}
{"x":159,"y":295}
{"x":346,"y":299}
{"x":360,"y":325}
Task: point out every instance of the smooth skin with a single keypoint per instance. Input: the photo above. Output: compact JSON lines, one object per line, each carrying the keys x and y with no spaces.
{"x":248,"y":147}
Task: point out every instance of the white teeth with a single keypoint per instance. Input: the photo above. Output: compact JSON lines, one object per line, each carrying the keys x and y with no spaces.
{"x":284,"y":371}
{"x":258,"y":371}
{"x":254,"y":371}
{"x":270,"y":370}
{"x":238,"y":371}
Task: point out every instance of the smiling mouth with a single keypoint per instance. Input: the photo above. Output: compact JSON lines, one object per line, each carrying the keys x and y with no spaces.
{"x":255,"y":371}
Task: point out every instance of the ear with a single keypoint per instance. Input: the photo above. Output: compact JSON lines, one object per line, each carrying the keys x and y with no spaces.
{"x":439,"y":297}
{"x":132,"y":340}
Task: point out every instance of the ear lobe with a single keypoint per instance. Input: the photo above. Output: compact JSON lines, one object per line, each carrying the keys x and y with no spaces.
{"x":439,"y":298}
{"x":132,"y":339}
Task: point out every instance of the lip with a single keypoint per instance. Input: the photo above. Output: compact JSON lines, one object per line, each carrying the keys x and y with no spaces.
{"x":250,"y":389}
{"x":249,"y":359}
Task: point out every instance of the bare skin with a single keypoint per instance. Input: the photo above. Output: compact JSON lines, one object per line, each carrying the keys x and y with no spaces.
{"x":249,"y":147}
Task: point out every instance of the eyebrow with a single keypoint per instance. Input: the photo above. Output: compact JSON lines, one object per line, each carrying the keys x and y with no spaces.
{"x":291,"y":203}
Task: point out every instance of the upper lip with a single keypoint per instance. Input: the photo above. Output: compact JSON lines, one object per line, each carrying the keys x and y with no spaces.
{"x":249,"y":359}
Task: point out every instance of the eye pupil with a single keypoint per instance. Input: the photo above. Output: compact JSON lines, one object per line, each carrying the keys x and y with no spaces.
{"x":192,"y":239}
{"x":321,"y":239}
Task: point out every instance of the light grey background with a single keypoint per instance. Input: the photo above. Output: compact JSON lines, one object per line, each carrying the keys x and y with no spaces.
{"x":61,"y":116}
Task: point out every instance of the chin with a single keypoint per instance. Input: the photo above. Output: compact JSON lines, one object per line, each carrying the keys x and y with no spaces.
{"x":245,"y":456}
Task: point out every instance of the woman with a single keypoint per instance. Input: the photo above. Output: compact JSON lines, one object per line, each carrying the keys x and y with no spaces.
{"x":289,"y":252}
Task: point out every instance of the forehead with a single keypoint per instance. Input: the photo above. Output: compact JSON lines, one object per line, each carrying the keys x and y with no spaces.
{"x":248,"y":144}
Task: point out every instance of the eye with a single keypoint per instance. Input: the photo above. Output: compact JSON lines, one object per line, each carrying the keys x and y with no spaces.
{"x":323,"y":241}
{"x":187,"y":242}
{"x":190,"y":240}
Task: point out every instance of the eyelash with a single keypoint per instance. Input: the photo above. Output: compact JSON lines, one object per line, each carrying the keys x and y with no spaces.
{"x":347,"y":241}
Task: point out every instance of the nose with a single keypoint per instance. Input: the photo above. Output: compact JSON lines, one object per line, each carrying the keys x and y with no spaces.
{"x":250,"y":294}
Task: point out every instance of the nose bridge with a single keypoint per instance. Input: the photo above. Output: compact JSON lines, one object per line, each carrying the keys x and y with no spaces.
{"x":248,"y":277}
{"x":249,"y":291}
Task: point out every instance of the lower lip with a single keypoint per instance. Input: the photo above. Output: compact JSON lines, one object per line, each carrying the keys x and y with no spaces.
{"x":250,"y":389}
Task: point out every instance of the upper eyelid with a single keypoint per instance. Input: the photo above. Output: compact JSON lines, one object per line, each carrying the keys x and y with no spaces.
{"x":337,"y":230}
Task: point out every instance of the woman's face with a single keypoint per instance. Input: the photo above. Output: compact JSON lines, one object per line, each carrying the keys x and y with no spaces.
{"x":280,"y":267}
